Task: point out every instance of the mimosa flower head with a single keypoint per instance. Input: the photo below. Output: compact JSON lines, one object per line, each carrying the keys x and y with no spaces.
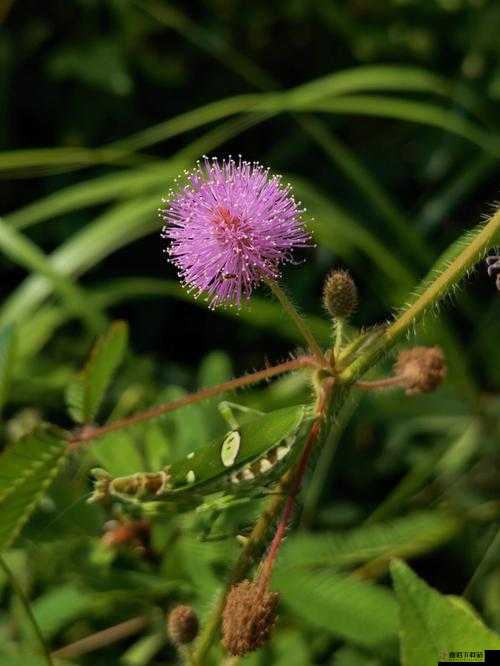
{"x":231,"y":226}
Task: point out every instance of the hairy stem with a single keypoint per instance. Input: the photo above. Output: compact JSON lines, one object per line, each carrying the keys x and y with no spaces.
{"x":295,"y":484}
{"x":245,"y":560}
{"x":27,"y":609}
{"x":377,"y":344}
{"x":291,"y":480}
{"x":385,"y":383}
{"x":90,"y":432}
{"x":435,"y":289}
{"x":299,"y":322}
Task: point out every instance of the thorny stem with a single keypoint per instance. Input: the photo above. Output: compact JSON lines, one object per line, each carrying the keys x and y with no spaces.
{"x":29,"y":613}
{"x":88,"y":433}
{"x":299,"y":322}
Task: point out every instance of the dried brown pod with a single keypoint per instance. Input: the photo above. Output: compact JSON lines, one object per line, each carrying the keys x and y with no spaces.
{"x":248,"y":618}
{"x":182,"y":625}
{"x":422,"y":368}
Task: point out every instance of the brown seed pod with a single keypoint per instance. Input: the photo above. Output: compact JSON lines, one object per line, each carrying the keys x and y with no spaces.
{"x":182,"y":625}
{"x":340,"y":295}
{"x":248,"y":618}
{"x":423,"y":369}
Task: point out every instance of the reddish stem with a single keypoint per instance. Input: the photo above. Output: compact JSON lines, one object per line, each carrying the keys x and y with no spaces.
{"x":295,"y":485}
{"x":386,"y":383}
{"x":89,"y":432}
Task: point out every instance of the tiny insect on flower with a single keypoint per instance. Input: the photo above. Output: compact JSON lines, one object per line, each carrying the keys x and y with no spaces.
{"x":231,"y":226}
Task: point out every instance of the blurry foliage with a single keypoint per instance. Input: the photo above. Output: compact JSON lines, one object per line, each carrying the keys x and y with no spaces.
{"x":87,"y":90}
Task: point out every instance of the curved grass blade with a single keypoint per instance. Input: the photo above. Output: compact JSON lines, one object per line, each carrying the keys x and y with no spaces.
{"x":422,"y":113}
{"x":21,"y":250}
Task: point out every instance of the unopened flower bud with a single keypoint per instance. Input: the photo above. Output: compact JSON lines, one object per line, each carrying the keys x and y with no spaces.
{"x":182,"y":625}
{"x":340,"y":296}
{"x":249,"y":617}
{"x":423,"y":369}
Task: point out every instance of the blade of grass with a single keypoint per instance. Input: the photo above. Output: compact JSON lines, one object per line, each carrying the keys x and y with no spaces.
{"x":25,"y":253}
{"x":422,"y":113}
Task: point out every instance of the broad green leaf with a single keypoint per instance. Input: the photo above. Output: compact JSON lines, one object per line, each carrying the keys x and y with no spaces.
{"x":412,"y":535}
{"x":358,"y":611}
{"x":432,"y":623}
{"x":86,"y":393}
{"x":27,"y":468}
{"x":59,"y":607}
{"x":117,"y":452}
{"x":7,"y":350}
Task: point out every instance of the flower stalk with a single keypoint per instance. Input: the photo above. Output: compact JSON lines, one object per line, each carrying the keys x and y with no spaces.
{"x":299,"y":322}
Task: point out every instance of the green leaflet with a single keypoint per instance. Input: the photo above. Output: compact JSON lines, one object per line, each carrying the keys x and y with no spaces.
{"x":410,"y":535}
{"x":27,"y":468}
{"x":86,"y":393}
{"x":358,"y":611}
{"x":432,"y":623}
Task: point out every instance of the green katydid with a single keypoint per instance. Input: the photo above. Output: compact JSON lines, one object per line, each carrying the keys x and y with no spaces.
{"x":252,"y":453}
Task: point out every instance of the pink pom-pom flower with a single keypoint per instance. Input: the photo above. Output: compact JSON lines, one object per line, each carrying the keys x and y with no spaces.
{"x":231,"y":226}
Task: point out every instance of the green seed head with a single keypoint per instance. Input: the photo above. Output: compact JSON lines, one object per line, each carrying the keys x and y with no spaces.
{"x":340,"y":296}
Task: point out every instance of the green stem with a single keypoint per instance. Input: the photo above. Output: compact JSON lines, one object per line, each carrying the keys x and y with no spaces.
{"x":27,"y":609}
{"x":299,"y":322}
{"x":339,"y":330}
{"x":243,"y":564}
{"x":437,"y":288}
{"x":378,"y":343}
